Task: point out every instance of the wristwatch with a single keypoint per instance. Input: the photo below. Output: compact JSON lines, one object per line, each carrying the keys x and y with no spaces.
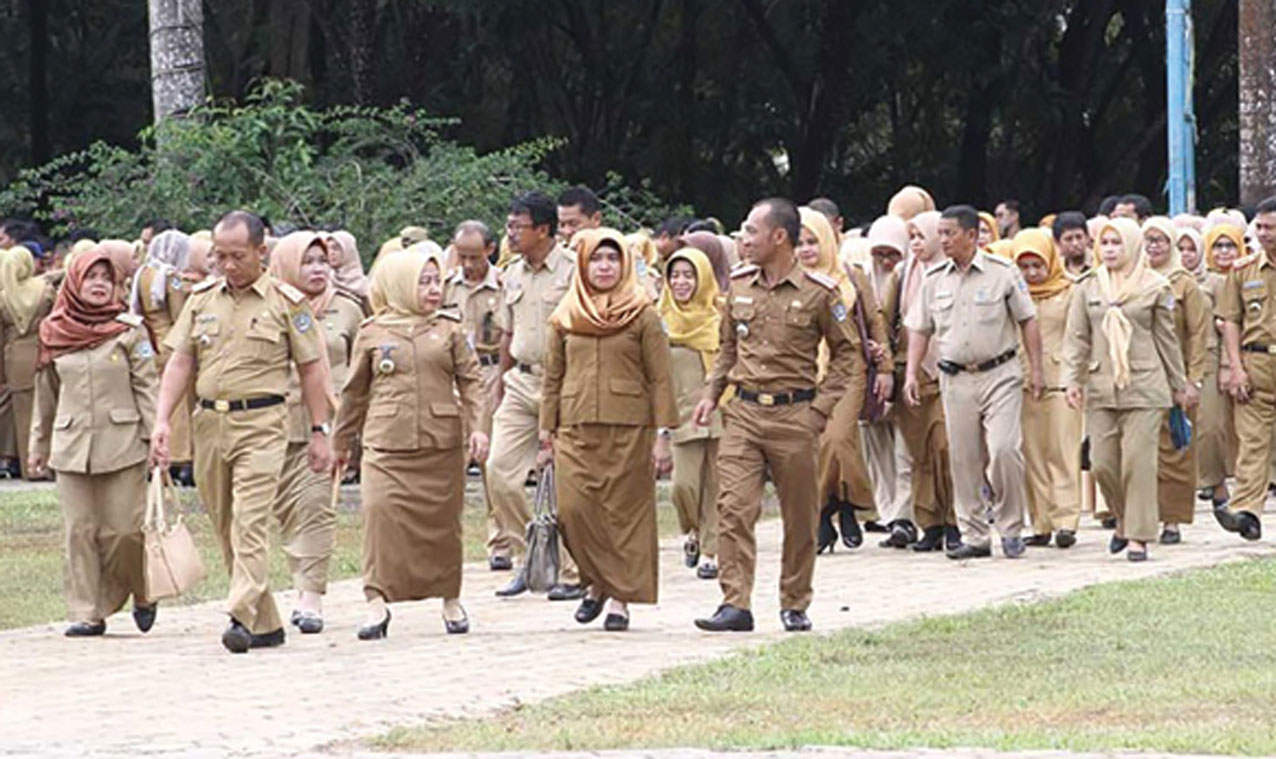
{"x":325,"y":429}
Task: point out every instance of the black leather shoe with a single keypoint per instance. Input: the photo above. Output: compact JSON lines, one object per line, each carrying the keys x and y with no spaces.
{"x":707,"y":571}
{"x":1013,"y":548}
{"x":728,"y":619}
{"x":85,"y":629}
{"x":1205,"y":494}
{"x":236,"y":638}
{"x":903,"y":534}
{"x":1065,"y":538}
{"x":967,"y":551}
{"x":932,"y":540}
{"x":852,"y":536}
{"x":564,"y":592}
{"x":516,"y":587}
{"x":144,"y":616}
{"x":1037,"y":541}
{"x":1109,"y":523}
{"x":500,"y":564}
{"x":377,"y":631}
{"x":307,"y":622}
{"x":616,"y":623}
{"x":1117,"y":545}
{"x":828,"y":533}
{"x":589,"y":609}
{"x":795,"y":620}
{"x":457,"y":626}
{"x":1248,"y":525}
{"x":1171,"y":537}
{"x":952,"y":537}
{"x":871,"y":526}
{"x":1136,"y":554}
{"x":1226,"y":518}
{"x":268,"y":640}
{"x":691,"y":553}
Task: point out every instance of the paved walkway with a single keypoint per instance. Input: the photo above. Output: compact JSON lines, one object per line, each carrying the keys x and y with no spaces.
{"x":175,"y":692}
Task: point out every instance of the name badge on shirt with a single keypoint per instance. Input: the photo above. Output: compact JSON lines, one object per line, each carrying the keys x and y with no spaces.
{"x":1252,"y":284}
{"x":982,"y":297}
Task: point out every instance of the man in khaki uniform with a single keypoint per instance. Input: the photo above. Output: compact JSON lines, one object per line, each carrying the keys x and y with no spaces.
{"x":474,"y":292}
{"x":533,"y":285}
{"x":578,"y":208}
{"x":238,"y":336}
{"x":973,"y":306}
{"x":1247,"y":306}
{"x":774,"y":318}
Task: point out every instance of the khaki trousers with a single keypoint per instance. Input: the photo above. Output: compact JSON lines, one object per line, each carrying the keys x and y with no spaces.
{"x":307,"y":519}
{"x":1255,"y":421}
{"x":1176,"y":476}
{"x":23,"y":404}
{"x":238,"y":463}
{"x":1123,"y":456}
{"x":695,"y":491}
{"x":1052,"y":460}
{"x":105,"y":551}
{"x":889,"y":469}
{"x":923,"y":431}
{"x":780,"y":439}
{"x":498,"y":543}
{"x":8,"y":432}
{"x":515,"y":441}
{"x":988,"y":406}
{"x":843,"y":473}
{"x":1214,"y":437}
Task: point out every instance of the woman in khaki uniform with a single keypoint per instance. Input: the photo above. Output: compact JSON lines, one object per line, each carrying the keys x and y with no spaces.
{"x":1176,"y":469}
{"x":95,"y":403}
{"x":1051,"y":430}
{"x":160,"y":289}
{"x":25,"y":299}
{"x":607,"y":389}
{"x":1122,"y":360}
{"x":1208,"y":258}
{"x":304,"y":504}
{"x":689,"y":309}
{"x":843,"y":474}
{"x":413,"y":384}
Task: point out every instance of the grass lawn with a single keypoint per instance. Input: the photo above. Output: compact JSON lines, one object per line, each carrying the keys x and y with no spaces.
{"x":1182,"y":664}
{"x":31,"y":552}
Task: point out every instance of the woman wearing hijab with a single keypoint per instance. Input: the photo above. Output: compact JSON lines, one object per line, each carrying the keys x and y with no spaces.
{"x":920,"y":429}
{"x":303,"y":505}
{"x":1051,"y":429}
{"x":989,"y":232}
{"x":711,"y":245}
{"x":347,"y":266}
{"x":843,"y":475}
{"x":25,"y":299}
{"x":95,"y":403}
{"x":607,"y":390}
{"x":1215,"y":435}
{"x":646,"y":260}
{"x":1122,"y":360}
{"x":413,"y":386}
{"x":909,"y":201}
{"x":1176,"y":468}
{"x":689,"y":310}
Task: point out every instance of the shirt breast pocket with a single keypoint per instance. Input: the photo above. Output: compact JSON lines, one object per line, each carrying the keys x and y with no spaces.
{"x":1254,"y":296}
{"x":942,"y":312}
{"x":263,"y":339}
{"x":988,"y":312}
{"x":744,"y":320}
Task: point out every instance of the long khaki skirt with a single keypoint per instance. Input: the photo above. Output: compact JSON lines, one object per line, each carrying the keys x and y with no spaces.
{"x":412,"y":504}
{"x":607,"y":508}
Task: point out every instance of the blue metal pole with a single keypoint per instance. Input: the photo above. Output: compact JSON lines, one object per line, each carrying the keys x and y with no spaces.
{"x":1189,"y":108}
{"x":1175,"y":98}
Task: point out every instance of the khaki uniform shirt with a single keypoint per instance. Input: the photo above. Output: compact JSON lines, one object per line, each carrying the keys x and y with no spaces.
{"x":409,"y":385}
{"x":338,"y":325}
{"x":531,"y":295}
{"x":771,"y":337}
{"x":1156,"y":360}
{"x":1193,"y":323}
{"x":621,"y":379}
{"x":21,"y":349}
{"x":1212,"y":288}
{"x":480,"y":308}
{"x":974,"y":315}
{"x":244,"y":343}
{"x":159,"y":317}
{"x":94,"y":408}
{"x":1052,"y":319}
{"x":1248,"y":299}
{"x":689,"y":377}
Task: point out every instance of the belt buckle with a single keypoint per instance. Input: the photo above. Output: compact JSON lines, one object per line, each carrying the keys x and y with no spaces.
{"x":221,"y":405}
{"x":1271,"y":350}
{"x":766,"y":399}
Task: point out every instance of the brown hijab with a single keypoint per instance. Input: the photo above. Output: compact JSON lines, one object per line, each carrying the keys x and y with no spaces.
{"x":586,"y":312}
{"x":709,"y":244}
{"x":74,"y":324}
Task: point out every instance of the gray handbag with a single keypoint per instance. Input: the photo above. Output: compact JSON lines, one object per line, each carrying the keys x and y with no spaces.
{"x":540,"y":570}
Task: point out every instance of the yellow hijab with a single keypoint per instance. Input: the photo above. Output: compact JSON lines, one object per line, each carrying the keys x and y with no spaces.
{"x":583,"y":311}
{"x":694,"y":324}
{"x":1165,"y":226}
{"x":827,"y":264}
{"x":395,"y":284}
{"x":990,"y":221}
{"x":1002,"y":248}
{"x":1036,"y":241}
{"x":20,"y":289}
{"x":1231,"y":232}
{"x":1131,"y":277}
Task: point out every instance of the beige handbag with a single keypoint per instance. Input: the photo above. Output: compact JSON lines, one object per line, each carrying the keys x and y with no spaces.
{"x":540,"y":568}
{"x":173,"y":564}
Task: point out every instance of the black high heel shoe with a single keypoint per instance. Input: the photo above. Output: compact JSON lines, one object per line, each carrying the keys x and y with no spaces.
{"x":456,"y":626}
{"x":828,"y":534}
{"x":852,"y":536}
{"x":377,"y":631}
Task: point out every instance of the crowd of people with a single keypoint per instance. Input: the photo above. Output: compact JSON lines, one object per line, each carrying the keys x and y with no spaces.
{"x":935,"y":376}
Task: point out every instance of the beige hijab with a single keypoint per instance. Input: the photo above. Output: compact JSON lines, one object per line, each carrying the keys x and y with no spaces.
{"x":1129,"y":278}
{"x":20,"y":289}
{"x":393,"y":291}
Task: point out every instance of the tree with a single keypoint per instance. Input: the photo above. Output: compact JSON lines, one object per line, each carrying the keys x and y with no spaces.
{"x":177,"y":56}
{"x":1257,"y":36}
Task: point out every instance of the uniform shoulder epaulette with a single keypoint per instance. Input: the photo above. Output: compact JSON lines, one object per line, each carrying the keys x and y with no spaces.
{"x":937,"y":266}
{"x":129,"y":318}
{"x":351,"y":296}
{"x":206,"y":284}
{"x":821,"y":279}
{"x":294,"y":295}
{"x":517,"y":259}
{"x":449,"y":314}
{"x":457,"y":277}
{"x":743,"y":270}
{"x":1083,"y":276}
{"x":999,"y":260}
{"x":1244,"y":261}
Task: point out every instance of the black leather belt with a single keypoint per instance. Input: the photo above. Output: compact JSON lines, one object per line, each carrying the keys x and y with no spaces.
{"x":775,"y":399}
{"x":1258,"y":348}
{"x":489,"y":359}
{"x":527,"y":368}
{"x":952,"y":367}
{"x":247,"y":404}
